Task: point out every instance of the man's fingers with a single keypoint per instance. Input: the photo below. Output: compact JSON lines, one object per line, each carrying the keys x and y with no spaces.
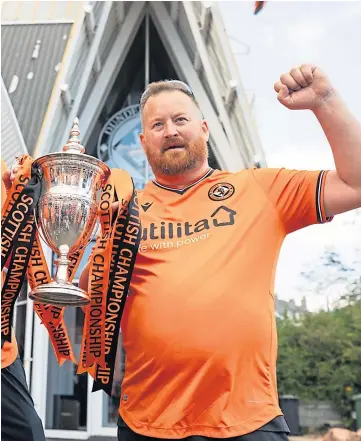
{"x":281,"y":89}
{"x":9,"y":175}
{"x":277,"y":86}
{"x":283,"y":94}
{"x":289,"y":81}
{"x":13,"y":172}
{"x":307,"y":72}
{"x":115,"y":206}
{"x":298,"y":76}
{"x":6,"y":177}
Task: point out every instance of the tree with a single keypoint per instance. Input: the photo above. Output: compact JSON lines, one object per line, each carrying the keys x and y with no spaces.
{"x":320,"y":355}
{"x":353,"y":293}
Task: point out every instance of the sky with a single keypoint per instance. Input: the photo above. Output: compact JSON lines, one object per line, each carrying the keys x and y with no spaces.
{"x":282,"y":35}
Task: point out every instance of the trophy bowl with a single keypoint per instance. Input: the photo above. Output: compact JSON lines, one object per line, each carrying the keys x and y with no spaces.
{"x":66,"y":214}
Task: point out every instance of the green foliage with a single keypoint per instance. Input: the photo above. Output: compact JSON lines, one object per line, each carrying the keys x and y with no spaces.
{"x":319,"y":356}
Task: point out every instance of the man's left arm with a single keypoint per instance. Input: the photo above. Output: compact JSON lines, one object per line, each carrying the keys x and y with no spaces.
{"x":307,"y":87}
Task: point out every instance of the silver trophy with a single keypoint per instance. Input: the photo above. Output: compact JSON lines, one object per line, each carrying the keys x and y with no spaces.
{"x":67,"y":213}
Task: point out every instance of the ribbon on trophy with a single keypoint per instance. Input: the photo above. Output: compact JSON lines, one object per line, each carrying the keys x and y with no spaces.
{"x":17,"y":235}
{"x":93,"y":344}
{"x":21,"y":246}
{"x":50,"y":315}
{"x":111,"y":265}
{"x":110,"y":271}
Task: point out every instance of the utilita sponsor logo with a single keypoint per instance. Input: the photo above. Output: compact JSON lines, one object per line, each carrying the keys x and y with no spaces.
{"x":222,"y":217}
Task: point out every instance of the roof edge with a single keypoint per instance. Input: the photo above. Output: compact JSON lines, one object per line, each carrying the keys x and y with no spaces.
{"x":13,"y":23}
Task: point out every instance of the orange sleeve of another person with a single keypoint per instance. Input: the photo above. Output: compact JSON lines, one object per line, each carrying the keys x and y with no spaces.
{"x":9,"y":350}
{"x":297,"y":196}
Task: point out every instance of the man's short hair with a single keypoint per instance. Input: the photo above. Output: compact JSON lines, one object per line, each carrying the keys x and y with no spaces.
{"x":166,"y":86}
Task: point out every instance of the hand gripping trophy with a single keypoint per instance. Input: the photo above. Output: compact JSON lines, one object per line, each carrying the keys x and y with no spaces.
{"x":66,"y":213}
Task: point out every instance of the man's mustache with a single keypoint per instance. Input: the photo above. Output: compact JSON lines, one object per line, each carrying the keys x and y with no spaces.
{"x":173,"y":143}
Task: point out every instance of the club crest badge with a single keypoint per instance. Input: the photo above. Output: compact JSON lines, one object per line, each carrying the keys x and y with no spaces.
{"x":221,"y":191}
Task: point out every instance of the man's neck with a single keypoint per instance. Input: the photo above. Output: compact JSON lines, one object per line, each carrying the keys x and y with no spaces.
{"x":184,"y":179}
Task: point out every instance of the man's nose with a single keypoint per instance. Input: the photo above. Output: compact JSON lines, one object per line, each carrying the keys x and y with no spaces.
{"x":170,"y":130}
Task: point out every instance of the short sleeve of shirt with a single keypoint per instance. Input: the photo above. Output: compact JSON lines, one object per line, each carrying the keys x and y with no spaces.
{"x":298,"y":196}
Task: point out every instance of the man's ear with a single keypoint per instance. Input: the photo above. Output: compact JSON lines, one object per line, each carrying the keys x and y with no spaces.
{"x":205,"y":129}
{"x":141,"y":137}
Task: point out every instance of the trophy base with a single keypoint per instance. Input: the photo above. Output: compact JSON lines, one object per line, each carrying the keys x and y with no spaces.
{"x":59,"y":294}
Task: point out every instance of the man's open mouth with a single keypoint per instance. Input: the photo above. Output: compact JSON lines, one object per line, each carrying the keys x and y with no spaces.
{"x":174,"y":147}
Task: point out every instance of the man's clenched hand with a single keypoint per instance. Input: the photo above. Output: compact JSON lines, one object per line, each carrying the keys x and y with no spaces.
{"x":303,"y":87}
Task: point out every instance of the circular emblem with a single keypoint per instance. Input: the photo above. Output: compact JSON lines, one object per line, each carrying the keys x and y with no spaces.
{"x":120,"y":135}
{"x":119,"y":145}
{"x":221,"y":191}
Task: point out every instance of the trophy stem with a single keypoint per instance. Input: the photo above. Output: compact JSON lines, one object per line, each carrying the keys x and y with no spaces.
{"x":60,"y":291}
{"x":62,"y":265}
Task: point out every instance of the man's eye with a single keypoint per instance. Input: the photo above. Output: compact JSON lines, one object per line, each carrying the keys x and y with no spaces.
{"x":181,"y":118}
{"x":157,"y":124}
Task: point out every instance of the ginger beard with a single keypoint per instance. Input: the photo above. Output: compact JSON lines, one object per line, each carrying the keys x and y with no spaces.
{"x":170,"y":161}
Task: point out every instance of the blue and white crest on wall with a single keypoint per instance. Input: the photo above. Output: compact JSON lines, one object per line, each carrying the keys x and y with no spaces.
{"x":119,"y":145}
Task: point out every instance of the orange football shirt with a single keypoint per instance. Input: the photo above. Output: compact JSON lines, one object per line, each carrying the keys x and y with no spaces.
{"x":9,"y":350}
{"x":199,"y":327}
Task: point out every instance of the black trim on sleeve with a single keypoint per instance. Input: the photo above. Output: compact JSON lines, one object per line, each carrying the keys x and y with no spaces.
{"x":320,"y":218}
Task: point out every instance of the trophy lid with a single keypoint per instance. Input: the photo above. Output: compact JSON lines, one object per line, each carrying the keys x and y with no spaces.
{"x":73,"y":145}
{"x":70,"y":156}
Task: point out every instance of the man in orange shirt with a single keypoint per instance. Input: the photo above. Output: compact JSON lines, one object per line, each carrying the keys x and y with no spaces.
{"x":198,"y":326}
{"x":19,"y":420}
